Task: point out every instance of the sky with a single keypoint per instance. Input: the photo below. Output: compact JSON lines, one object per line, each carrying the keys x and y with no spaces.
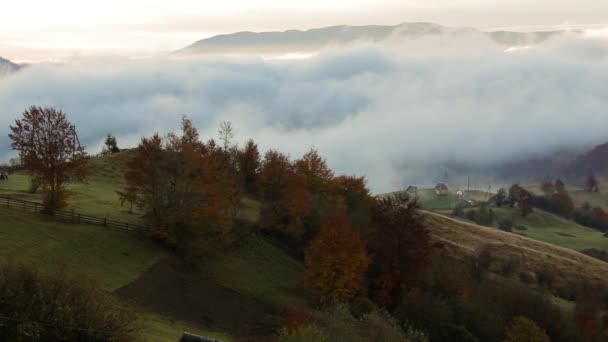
{"x":41,"y":30}
{"x":393,"y":113}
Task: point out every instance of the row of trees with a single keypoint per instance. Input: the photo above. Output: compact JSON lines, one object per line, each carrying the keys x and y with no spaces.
{"x":190,"y":192}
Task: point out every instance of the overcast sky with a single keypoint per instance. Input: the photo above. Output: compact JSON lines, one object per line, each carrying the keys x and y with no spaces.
{"x":34,"y":30}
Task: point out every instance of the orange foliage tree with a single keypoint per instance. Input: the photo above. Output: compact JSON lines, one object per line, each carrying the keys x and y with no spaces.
{"x":287,"y":202}
{"x":186,"y":189}
{"x":400,"y":247}
{"x":49,"y":147}
{"x":336,"y":260}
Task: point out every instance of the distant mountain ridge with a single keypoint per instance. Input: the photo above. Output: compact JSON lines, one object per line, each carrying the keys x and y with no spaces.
{"x":7,"y":67}
{"x":318,"y":38}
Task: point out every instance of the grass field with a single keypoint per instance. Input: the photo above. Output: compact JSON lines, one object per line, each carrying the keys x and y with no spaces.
{"x":463,"y":239}
{"x":256,"y":267}
{"x":96,"y":197}
{"x":580,"y":196}
{"x":113,"y":257}
{"x":553,"y":229}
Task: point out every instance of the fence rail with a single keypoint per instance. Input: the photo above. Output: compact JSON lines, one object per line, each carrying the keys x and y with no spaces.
{"x":69,"y":216}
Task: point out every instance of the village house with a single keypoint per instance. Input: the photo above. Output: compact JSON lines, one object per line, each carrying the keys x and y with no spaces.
{"x":441,"y":189}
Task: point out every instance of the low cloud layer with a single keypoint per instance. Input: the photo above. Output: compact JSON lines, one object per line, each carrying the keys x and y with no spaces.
{"x":394,"y":114}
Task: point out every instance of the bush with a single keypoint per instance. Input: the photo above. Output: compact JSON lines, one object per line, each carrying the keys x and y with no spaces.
{"x":521,"y":227}
{"x":59,"y":307}
{"x":525,"y":330}
{"x":340,"y":325}
{"x":483,"y":216}
{"x":506,"y":225}
{"x":304,"y":334}
{"x":458,"y":211}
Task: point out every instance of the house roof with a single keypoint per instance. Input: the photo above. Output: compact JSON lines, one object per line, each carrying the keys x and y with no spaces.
{"x":441,"y":186}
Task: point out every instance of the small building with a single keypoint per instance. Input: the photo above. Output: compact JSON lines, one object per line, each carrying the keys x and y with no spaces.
{"x":441,"y":189}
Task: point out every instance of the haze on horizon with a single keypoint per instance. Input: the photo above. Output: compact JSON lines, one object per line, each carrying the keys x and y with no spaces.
{"x":34,"y":30}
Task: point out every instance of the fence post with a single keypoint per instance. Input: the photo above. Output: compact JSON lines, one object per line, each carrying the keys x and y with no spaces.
{"x":105,"y":222}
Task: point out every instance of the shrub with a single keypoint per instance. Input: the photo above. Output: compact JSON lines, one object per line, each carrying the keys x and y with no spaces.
{"x":506,"y":225}
{"x":59,"y":307}
{"x":525,"y":330}
{"x":340,"y":325}
{"x":520,"y":227}
{"x":458,"y":211}
{"x":304,"y":334}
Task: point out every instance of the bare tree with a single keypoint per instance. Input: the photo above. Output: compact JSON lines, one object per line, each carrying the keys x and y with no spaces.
{"x":226,"y":134}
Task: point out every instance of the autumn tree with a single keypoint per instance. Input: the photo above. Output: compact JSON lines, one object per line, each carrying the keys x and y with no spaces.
{"x":521,"y":198}
{"x":249,"y":165}
{"x":51,"y":152}
{"x":523,"y":329}
{"x":592,"y":185}
{"x":400,"y":247}
{"x":185,"y":189}
{"x":336,"y":260}
{"x":110,"y":145}
{"x":561,"y":199}
{"x":355,"y":198}
{"x":501,"y":197}
{"x":286,"y":201}
{"x":315,"y":172}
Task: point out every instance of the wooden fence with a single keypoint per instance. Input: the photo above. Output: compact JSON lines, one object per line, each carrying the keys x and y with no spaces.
{"x":69,"y":216}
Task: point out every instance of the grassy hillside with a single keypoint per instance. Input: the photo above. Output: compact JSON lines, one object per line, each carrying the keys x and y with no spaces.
{"x":115,"y":258}
{"x":553,"y":229}
{"x":462,"y":240}
{"x":580,"y":196}
{"x":97,"y":196}
{"x":243,"y":291}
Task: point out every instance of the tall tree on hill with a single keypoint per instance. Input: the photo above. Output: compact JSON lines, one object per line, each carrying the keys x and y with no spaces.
{"x":287,"y":203}
{"x":400,"y":247}
{"x":336,"y":260}
{"x":249,"y":164}
{"x":315,"y":172}
{"x":110,"y":145}
{"x":51,"y":151}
